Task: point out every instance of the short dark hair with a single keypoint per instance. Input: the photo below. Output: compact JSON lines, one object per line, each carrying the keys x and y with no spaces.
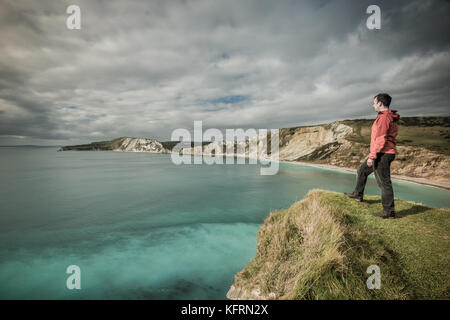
{"x":384,"y":98}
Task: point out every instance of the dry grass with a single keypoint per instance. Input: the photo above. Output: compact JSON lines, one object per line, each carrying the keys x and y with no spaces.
{"x":307,"y":239}
{"x":321,"y":246}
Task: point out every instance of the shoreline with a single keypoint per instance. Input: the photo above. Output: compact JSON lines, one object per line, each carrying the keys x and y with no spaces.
{"x":424,"y":181}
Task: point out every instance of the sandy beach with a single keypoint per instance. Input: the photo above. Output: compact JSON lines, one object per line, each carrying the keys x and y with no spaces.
{"x":439,"y":184}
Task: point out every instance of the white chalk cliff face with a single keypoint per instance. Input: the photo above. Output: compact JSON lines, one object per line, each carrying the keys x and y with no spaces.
{"x":141,"y":145}
{"x":293,"y":143}
{"x":340,"y":143}
{"x":302,"y":142}
{"x":251,"y":147}
{"x":307,"y":139}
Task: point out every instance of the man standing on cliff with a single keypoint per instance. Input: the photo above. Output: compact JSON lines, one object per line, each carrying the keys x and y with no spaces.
{"x":382,"y":153}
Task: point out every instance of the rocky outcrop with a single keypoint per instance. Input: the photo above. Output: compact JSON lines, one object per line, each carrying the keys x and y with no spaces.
{"x":141,"y":145}
{"x":423,"y":149}
{"x":293,"y":145}
{"x":307,"y":140}
{"x":410,"y":161}
{"x":123,"y":144}
{"x":251,"y":147}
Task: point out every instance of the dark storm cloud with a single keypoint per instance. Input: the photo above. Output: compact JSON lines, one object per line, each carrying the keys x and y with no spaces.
{"x":144,"y":68}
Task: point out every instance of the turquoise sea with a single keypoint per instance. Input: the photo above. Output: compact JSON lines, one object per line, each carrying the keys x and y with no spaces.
{"x":140,"y":227}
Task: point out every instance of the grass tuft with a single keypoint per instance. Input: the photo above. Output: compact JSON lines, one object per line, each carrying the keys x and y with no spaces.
{"x":320,"y":248}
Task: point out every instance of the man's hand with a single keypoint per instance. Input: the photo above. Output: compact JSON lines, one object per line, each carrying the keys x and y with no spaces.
{"x":369,"y":162}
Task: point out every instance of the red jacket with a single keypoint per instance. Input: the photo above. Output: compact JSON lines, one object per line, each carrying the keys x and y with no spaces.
{"x":384,"y":131}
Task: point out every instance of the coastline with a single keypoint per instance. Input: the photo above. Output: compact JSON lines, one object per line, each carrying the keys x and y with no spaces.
{"x":424,"y":181}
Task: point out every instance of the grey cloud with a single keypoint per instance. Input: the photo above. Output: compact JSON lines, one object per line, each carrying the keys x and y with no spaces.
{"x":144,"y":68}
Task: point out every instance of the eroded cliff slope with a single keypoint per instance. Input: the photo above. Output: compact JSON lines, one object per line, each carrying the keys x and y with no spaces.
{"x":321,"y":247}
{"x":423,"y":146}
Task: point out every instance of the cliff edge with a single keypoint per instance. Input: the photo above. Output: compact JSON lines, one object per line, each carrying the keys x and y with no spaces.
{"x":321,"y":247}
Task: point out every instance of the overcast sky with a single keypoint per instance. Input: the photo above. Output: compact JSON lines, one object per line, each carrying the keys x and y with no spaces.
{"x":145,"y":68}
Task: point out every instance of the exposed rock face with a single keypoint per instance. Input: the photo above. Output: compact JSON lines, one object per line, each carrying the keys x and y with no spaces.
{"x":422,"y":149}
{"x":410,"y":161}
{"x":423,"y":163}
{"x":141,"y":145}
{"x":122,"y":144}
{"x":293,"y":146}
{"x":251,"y":147}
{"x":308,"y":139}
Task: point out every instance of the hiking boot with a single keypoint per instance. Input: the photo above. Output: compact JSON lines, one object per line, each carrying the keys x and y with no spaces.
{"x":353,"y":196}
{"x":384,"y":215}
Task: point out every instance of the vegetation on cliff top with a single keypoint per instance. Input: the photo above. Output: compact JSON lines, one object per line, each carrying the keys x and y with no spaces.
{"x":427,"y":132}
{"x":320,"y":248}
{"x":423,"y":148}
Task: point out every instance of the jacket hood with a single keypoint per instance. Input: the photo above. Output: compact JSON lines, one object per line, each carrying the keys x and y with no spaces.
{"x":392,"y":114}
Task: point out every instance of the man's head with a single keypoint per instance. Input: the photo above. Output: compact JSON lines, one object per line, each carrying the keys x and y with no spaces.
{"x":381,"y":102}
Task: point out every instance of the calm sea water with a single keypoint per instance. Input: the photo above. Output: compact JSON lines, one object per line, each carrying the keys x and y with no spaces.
{"x":140,"y":227}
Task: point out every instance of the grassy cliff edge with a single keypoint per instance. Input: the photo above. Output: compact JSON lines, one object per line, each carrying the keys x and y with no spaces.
{"x":320,"y":248}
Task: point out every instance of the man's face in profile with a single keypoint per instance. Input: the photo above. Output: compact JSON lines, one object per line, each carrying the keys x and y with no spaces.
{"x":377,"y":105}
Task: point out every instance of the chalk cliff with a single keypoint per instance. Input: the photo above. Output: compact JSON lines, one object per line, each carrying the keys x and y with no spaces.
{"x":423,"y":146}
{"x":141,"y":145}
{"x":124,"y":144}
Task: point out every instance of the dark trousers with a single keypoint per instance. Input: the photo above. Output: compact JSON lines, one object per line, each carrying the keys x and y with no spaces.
{"x":382,"y":170}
